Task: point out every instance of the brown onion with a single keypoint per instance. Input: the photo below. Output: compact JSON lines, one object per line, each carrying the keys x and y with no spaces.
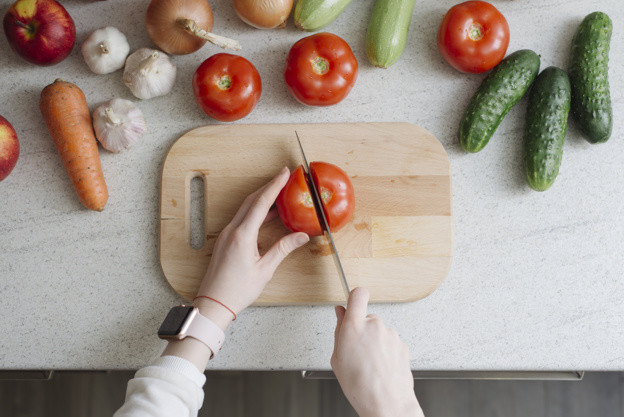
{"x":181,"y":27}
{"x":264,"y":14}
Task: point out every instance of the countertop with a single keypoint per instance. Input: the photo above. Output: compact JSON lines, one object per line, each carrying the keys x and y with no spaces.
{"x":537,"y":279}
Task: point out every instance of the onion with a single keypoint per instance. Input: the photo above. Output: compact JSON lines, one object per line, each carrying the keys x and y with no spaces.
{"x":264,"y":14}
{"x":181,"y":27}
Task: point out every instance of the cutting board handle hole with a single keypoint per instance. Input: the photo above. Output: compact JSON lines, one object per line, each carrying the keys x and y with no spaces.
{"x":196,"y":237}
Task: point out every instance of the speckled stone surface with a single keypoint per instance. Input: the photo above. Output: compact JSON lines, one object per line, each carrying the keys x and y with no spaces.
{"x":537,"y":281}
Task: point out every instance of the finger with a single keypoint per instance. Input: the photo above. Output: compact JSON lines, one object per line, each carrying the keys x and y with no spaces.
{"x":272,"y":214}
{"x":357,"y":305}
{"x":340,"y":313}
{"x":244,"y":208}
{"x":280,"y":250}
{"x":372,"y":316}
{"x":263,"y":201}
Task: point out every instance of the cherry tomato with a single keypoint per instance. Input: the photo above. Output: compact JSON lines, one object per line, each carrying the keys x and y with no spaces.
{"x":227,"y":87}
{"x":295,"y":203}
{"x":473,"y":36}
{"x":320,"y":70}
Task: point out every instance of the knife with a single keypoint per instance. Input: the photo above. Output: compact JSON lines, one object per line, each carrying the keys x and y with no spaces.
{"x":318,"y":205}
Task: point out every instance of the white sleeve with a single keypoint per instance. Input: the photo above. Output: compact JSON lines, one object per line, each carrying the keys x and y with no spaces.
{"x":169,"y":387}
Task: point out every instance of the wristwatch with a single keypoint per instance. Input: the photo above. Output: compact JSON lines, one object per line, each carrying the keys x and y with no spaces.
{"x":183,"y":321}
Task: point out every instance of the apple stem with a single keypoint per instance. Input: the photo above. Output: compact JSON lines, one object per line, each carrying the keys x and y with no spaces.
{"x":226,"y":43}
{"x":24,"y":25}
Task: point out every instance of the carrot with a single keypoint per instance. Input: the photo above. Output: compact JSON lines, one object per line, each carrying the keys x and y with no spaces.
{"x":65,"y":111}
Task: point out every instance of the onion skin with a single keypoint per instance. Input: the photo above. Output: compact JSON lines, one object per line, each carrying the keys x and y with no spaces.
{"x":264,"y":14}
{"x":162,"y":22}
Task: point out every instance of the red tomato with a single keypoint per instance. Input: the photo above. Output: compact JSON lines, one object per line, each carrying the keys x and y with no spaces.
{"x":296,"y":207}
{"x":336,"y":193}
{"x":227,"y":87}
{"x":473,"y":36}
{"x":320,"y":70}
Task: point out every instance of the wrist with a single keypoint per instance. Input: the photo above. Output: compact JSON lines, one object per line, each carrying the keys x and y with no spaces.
{"x":218,"y":314}
{"x":407,"y":407}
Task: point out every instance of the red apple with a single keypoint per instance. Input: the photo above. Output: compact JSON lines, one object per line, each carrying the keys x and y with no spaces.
{"x":40,"y":31}
{"x":9,"y":148}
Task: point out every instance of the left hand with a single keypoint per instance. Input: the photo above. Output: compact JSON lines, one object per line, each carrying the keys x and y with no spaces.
{"x":237,"y":273}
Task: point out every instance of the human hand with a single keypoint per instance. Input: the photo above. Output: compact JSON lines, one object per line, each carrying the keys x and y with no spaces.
{"x":372,"y":363}
{"x":237,"y":273}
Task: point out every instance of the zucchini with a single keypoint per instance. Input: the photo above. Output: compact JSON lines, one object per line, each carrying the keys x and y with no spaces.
{"x":496,"y":95}
{"x":312,"y":15}
{"x":387,"y":31}
{"x":589,"y":76}
{"x":545,"y":128}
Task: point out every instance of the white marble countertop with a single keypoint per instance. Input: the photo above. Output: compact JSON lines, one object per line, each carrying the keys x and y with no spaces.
{"x":537,"y":280}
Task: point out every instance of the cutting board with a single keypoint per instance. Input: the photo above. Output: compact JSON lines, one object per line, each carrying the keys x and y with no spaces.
{"x":398,"y":245}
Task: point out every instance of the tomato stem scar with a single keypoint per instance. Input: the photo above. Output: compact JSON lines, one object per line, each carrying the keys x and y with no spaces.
{"x":476,"y":31}
{"x":320,"y":65}
{"x":224,"y":83}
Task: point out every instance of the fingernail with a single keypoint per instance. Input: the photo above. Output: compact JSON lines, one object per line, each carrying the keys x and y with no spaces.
{"x":301,"y":239}
{"x":284,"y":170}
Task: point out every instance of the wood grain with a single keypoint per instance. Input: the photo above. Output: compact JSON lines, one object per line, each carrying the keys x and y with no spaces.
{"x":399,"y":243}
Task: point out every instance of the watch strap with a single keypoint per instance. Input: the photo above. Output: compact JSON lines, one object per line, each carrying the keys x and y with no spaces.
{"x":207,"y":332}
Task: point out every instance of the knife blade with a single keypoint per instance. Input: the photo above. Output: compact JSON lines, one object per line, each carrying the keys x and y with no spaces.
{"x":318,"y":205}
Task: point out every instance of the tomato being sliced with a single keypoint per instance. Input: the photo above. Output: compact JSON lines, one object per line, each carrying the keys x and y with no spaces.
{"x":336,"y":192}
{"x":295,"y":203}
{"x":296,"y":207}
{"x":473,"y":36}
{"x":227,"y":87}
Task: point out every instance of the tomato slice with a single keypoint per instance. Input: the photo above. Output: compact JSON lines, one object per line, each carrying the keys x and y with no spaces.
{"x":295,"y":204}
{"x":336,"y":192}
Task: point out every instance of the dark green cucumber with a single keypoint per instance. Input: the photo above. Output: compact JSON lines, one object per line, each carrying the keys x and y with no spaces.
{"x":496,"y":95}
{"x":589,"y":76}
{"x":387,"y":31}
{"x":546,"y":125}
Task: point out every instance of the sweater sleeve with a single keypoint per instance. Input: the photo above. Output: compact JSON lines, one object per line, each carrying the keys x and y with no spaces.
{"x":169,"y":387}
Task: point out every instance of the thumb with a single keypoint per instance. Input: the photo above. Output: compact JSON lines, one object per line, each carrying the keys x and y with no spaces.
{"x":280,"y":250}
{"x":357,"y":305}
{"x":340,"y":313}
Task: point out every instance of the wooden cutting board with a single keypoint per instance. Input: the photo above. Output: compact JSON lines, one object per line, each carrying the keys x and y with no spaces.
{"x":399,"y":244}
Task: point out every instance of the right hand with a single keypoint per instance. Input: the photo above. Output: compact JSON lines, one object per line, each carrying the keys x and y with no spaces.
{"x":371,"y":363}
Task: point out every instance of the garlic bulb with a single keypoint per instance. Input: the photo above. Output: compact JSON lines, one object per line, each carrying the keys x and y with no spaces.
{"x":118,"y":124}
{"x":105,"y":50}
{"x":149,"y":73}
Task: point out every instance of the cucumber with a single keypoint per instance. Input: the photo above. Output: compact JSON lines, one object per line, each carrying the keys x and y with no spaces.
{"x":589,"y":76}
{"x":387,"y":31}
{"x":545,"y":128}
{"x":496,"y":95}
{"x":312,"y":15}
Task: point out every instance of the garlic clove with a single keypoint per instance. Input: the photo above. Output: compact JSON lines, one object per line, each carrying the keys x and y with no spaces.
{"x":105,"y":50}
{"x":118,"y":124}
{"x":149,"y":73}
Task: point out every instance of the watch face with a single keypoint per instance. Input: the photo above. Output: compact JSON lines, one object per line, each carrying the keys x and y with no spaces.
{"x":174,"y":321}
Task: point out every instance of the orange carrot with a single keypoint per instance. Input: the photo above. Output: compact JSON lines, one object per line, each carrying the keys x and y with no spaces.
{"x":65,"y":111}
